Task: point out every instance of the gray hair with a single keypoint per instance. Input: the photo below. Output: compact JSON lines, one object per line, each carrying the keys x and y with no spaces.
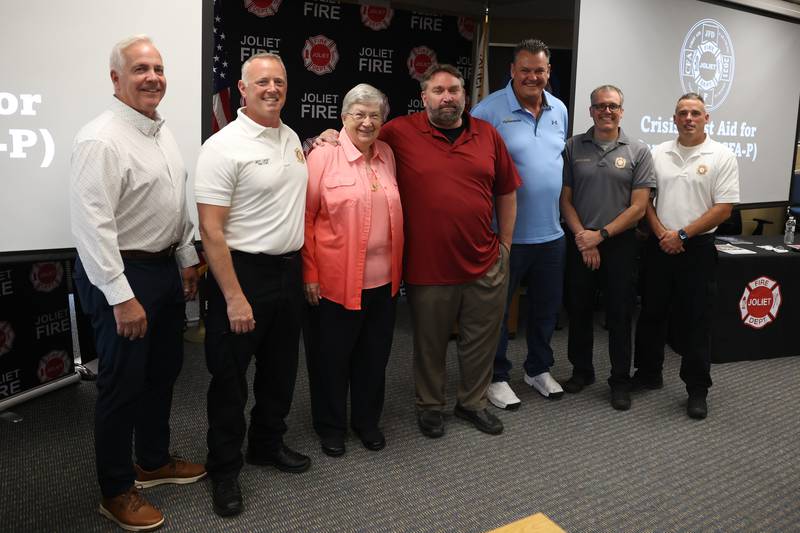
{"x":609,"y":88}
{"x":117,"y":60}
{"x":532,"y":46}
{"x":364,"y":93}
{"x":691,"y":96}
{"x":260,"y":55}
{"x":436,"y":69}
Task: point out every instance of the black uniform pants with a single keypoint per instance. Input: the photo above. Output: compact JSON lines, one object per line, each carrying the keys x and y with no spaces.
{"x":616,"y":276}
{"x":272,"y":286}
{"x":681,"y":286}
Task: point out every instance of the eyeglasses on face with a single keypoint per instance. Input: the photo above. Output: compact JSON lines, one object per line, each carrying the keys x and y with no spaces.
{"x":610,"y":107}
{"x":359,"y":117}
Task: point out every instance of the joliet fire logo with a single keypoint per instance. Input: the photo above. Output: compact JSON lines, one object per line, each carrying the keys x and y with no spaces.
{"x":376,"y":17}
{"x":707,"y":62}
{"x":262,"y":8}
{"x":466,"y":27}
{"x":52,"y":365}
{"x":760,"y":302}
{"x":320,"y":55}
{"x":46,"y":276}
{"x":419,"y":60}
{"x":6,"y":338}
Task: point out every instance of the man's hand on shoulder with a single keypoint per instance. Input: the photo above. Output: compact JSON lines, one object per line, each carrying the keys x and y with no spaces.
{"x":131,"y":319}
{"x":329,"y":136}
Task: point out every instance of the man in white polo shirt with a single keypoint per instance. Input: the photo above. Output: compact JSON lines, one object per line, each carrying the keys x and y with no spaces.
{"x":697,"y":183}
{"x":250,"y":189}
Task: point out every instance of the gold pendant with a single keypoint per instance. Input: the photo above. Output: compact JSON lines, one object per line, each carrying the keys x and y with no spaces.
{"x":374,"y":186}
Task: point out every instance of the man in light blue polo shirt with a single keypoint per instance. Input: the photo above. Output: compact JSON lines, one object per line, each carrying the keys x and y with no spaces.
{"x":533,"y":124}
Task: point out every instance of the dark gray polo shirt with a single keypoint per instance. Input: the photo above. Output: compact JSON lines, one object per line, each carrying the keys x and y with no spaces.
{"x":602,"y":182}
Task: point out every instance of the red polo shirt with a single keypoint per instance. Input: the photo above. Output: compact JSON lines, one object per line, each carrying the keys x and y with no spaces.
{"x":447,"y":191}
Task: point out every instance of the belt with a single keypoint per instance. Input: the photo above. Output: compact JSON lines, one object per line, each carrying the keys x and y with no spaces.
{"x":141,"y":255}
{"x":266,"y":259}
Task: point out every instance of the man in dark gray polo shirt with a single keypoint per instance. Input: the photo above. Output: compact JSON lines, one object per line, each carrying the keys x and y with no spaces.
{"x":607,"y":183}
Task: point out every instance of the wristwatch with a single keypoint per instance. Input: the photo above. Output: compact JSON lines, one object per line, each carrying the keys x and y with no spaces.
{"x":682,"y":235}
{"x":604,"y":234}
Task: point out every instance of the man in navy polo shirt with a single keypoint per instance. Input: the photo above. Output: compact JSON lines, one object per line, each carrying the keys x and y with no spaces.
{"x":533,"y":124}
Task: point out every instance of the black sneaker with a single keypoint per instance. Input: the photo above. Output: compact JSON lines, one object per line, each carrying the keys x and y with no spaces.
{"x":697,"y":407}
{"x":227,"y":496}
{"x":284,"y":459}
{"x":482,"y":419}
{"x":577,"y":383}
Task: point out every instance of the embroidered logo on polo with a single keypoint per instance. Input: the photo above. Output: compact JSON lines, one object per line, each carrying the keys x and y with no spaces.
{"x":707,"y":62}
{"x":702,"y":169}
{"x":760,"y":302}
{"x":320,"y":55}
{"x":620,"y":162}
{"x":419,"y":60}
{"x":262,"y":8}
{"x":376,"y":17}
{"x":261,"y":161}
{"x":554,"y":123}
{"x":298,"y":153}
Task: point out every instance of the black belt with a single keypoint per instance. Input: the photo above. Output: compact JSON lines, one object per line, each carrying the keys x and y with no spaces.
{"x":267,"y":259}
{"x":141,"y":255}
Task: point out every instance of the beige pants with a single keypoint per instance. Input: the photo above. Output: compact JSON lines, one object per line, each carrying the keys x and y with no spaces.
{"x":478,"y":307}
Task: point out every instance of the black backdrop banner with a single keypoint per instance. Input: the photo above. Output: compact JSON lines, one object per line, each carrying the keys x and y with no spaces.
{"x":35,"y":331}
{"x":328,"y":48}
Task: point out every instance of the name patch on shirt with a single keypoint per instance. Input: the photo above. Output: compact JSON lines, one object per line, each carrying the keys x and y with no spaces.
{"x":261,"y":161}
{"x":583,"y":160}
{"x":510,"y":120}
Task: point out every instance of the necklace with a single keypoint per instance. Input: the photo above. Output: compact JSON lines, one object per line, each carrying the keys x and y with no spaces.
{"x":374,"y":183}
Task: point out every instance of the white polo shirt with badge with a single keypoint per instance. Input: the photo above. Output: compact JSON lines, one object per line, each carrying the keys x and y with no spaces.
{"x":686,"y":189}
{"x":260,"y":174}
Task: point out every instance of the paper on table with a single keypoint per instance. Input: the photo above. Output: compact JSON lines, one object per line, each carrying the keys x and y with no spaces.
{"x":733,"y":250}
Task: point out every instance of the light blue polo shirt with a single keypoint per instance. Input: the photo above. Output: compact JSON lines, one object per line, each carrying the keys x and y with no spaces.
{"x":536,"y":147}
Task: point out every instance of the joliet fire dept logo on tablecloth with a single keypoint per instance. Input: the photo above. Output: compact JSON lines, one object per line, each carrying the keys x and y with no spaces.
{"x":320,"y":55}
{"x":707,"y":62}
{"x":46,"y":276}
{"x":6,"y":338}
{"x":376,"y":17}
{"x":419,"y":60}
{"x":760,"y":302}
{"x":262,"y":8}
{"x":52,"y":365}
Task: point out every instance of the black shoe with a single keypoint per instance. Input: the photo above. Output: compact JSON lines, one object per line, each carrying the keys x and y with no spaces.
{"x":482,"y":419}
{"x":620,"y":399}
{"x":372,"y":440}
{"x":333,"y":446}
{"x":639,"y":382}
{"x":697,"y":407}
{"x":577,"y":383}
{"x":284,"y":459}
{"x":227,"y":496}
{"x":431,"y":423}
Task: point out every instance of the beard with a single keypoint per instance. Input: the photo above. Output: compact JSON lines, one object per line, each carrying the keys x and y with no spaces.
{"x":446,"y":117}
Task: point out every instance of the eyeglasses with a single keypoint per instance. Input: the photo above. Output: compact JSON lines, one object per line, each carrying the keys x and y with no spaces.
{"x":610,"y":107}
{"x":359,"y":117}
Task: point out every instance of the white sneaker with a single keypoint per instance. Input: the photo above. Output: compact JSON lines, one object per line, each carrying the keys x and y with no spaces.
{"x":502,"y":397}
{"x":545,"y":385}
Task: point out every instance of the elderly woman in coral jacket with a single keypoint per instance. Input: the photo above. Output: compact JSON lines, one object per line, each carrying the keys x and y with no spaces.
{"x":352,"y":260}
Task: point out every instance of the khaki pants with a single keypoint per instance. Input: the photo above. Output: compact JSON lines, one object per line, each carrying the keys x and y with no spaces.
{"x":478,"y":307}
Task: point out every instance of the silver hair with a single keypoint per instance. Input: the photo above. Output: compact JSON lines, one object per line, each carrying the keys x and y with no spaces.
{"x":610,"y":88}
{"x":117,"y":60}
{"x":260,"y":55}
{"x":364,"y":93}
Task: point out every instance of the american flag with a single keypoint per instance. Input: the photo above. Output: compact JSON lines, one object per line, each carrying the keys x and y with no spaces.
{"x":223,"y":80}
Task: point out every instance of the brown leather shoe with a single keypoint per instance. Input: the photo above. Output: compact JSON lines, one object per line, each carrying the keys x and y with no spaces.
{"x":177,"y":471}
{"x":131,"y":511}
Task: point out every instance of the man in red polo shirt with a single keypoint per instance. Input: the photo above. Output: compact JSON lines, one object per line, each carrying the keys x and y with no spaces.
{"x":454,"y":173}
